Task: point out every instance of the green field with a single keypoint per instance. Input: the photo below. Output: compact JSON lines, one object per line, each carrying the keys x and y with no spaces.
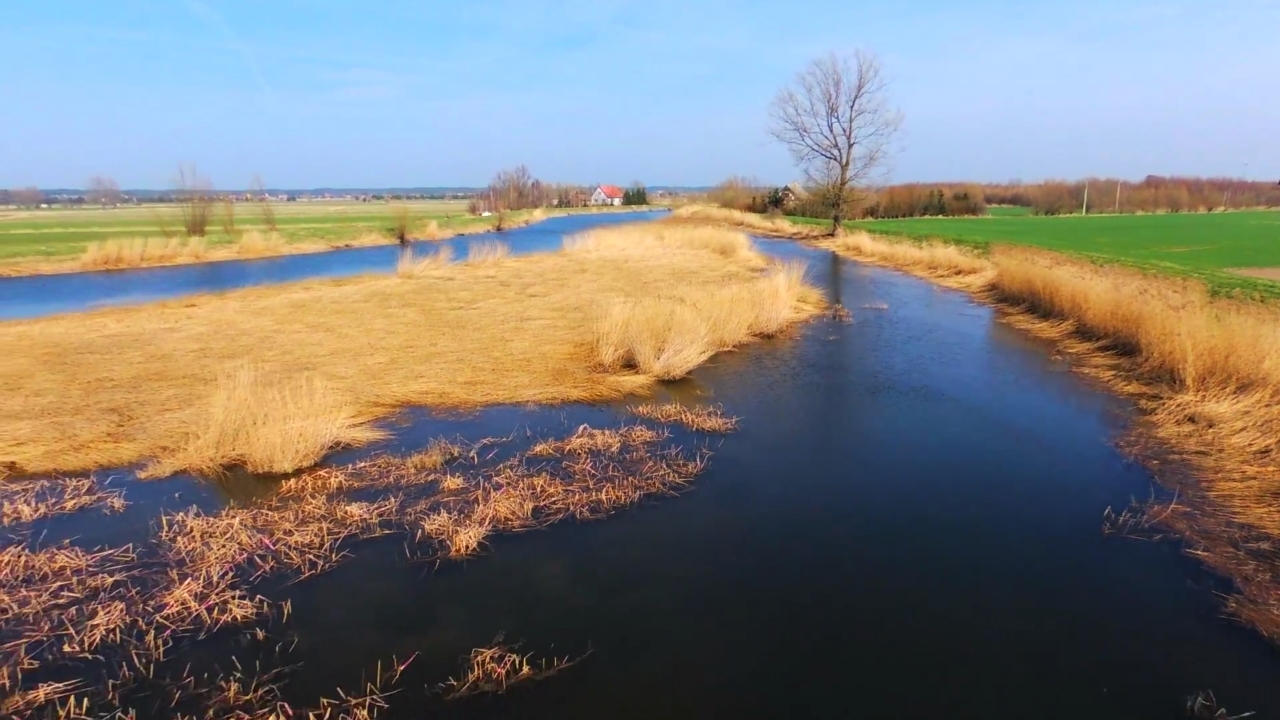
{"x":1200,"y":245}
{"x":64,"y":232}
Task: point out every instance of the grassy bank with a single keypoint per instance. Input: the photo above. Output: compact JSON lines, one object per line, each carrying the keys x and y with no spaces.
{"x":1210,"y":247}
{"x":273,"y":378}
{"x":36,"y":242}
{"x":1204,"y":371}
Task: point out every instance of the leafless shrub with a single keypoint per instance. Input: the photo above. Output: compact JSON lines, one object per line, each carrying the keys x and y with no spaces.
{"x":195,"y":201}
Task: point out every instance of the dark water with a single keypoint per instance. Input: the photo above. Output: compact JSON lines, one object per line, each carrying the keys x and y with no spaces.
{"x":907,"y":525}
{"x":33,"y":296}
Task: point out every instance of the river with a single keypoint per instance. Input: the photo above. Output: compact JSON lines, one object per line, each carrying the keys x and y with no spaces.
{"x":907,"y":525}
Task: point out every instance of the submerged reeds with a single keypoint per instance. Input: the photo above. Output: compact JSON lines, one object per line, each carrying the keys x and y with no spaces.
{"x":496,"y":668}
{"x":123,"y":610}
{"x":701,"y":418}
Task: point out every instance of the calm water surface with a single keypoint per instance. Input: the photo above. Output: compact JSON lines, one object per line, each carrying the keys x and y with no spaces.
{"x":33,"y":296}
{"x":907,"y":525}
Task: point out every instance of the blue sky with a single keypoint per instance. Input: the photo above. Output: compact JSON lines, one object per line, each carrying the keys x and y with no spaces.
{"x":399,"y":93}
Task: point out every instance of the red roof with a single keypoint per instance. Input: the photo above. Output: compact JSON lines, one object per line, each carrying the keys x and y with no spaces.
{"x":611,"y":191}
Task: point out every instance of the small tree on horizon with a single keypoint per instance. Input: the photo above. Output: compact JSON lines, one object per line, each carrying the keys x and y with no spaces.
{"x":103,"y":190}
{"x":836,"y":121}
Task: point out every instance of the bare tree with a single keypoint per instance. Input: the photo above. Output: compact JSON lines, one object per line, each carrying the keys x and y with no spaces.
{"x":836,"y":121}
{"x":268,"y":210}
{"x":103,"y":190}
{"x":27,"y":196}
{"x":195,"y":200}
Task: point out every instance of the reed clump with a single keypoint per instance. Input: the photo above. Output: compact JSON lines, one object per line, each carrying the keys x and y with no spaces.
{"x":487,"y":251}
{"x":117,"y":253}
{"x":414,"y":265}
{"x":255,"y":243}
{"x":668,"y":336}
{"x":267,"y":424}
{"x":615,"y":311}
{"x":700,"y":418}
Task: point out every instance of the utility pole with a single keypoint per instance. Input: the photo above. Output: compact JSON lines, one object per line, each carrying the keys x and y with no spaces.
{"x":1085,"y":210}
{"x":1118,"y":196}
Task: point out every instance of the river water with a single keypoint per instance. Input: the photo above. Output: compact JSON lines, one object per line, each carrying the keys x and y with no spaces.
{"x":907,"y":525}
{"x":36,"y":295}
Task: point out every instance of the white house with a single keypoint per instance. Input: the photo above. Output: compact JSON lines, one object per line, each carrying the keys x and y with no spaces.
{"x":607,"y":195}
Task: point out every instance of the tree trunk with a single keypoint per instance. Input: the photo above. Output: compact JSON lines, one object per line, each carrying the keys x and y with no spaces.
{"x":836,"y":224}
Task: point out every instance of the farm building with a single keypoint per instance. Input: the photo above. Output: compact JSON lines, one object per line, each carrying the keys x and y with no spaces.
{"x":607,"y":195}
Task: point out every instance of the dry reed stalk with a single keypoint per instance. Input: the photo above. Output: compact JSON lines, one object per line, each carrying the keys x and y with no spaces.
{"x":26,"y":501}
{"x":496,"y":668}
{"x":702,"y":418}
{"x":513,"y":332}
{"x":487,"y":251}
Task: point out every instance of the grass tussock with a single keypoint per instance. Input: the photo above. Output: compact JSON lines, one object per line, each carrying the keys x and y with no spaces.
{"x":432,"y":232}
{"x":496,"y":668}
{"x":700,"y":418}
{"x":117,"y":253}
{"x":267,"y":424}
{"x":487,"y":251}
{"x":668,"y":336}
{"x":254,"y":243}
{"x":274,"y":377}
{"x":413,"y":265}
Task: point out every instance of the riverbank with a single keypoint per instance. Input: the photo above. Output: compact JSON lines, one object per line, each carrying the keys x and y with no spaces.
{"x":1204,"y":371}
{"x":273,"y":378}
{"x":140,"y":250}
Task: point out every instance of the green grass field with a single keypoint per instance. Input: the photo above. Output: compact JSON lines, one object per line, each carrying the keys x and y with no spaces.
{"x":1199,"y":245}
{"x":64,"y":232}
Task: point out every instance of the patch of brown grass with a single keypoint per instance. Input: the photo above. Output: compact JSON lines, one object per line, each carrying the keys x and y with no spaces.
{"x":116,"y":253}
{"x":255,"y":243}
{"x":487,"y":251}
{"x":751,"y":222}
{"x":667,"y":336}
{"x":941,"y":262}
{"x":413,"y":265}
{"x":702,"y":418}
{"x":267,"y":424}
{"x":166,"y":382}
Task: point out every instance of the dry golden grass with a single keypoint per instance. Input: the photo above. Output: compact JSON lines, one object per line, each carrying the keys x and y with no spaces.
{"x":751,"y":222}
{"x":167,"y":382}
{"x":945,"y":264}
{"x":260,"y":244}
{"x":487,"y":251}
{"x":702,"y":418}
{"x":413,"y":265}
{"x":134,"y":252}
{"x":267,"y":423}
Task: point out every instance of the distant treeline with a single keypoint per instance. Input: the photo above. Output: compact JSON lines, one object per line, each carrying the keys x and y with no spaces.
{"x":1153,"y":194}
{"x":518,"y":189}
